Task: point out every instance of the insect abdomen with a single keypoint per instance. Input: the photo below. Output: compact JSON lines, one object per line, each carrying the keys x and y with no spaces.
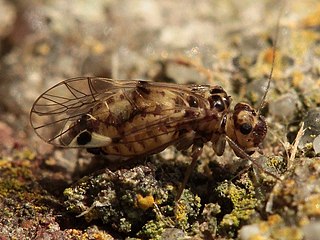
{"x":127,"y":122}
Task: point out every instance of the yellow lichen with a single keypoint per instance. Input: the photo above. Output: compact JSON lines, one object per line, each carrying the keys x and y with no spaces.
{"x":145,"y":202}
{"x":312,"y":205}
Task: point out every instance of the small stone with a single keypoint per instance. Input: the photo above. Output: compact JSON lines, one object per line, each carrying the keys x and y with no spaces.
{"x":316,"y":144}
{"x":312,"y":127}
{"x":249,"y":231}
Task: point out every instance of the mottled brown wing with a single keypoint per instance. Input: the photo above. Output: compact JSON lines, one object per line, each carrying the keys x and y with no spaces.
{"x":66,"y":102}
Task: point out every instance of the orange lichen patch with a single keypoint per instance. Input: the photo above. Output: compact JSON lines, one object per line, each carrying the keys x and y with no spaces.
{"x":301,"y":43}
{"x":274,"y":219}
{"x":287,"y":233}
{"x":145,"y":202}
{"x":5,"y":163}
{"x":289,"y":187}
{"x":97,"y":47}
{"x":312,"y":205}
{"x":91,"y":233}
{"x":297,"y":78}
{"x":265,"y":61}
{"x":275,"y":227}
{"x":269,"y":55}
{"x":313,"y":20}
{"x":43,"y":48}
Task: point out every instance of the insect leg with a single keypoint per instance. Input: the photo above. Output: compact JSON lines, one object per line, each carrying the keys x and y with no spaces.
{"x":242,"y":154}
{"x":218,"y":143}
{"x":196,"y":152}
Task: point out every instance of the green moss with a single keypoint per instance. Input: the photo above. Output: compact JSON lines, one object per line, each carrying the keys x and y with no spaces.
{"x":22,"y":197}
{"x":15,"y":181}
{"x":152,"y":229}
{"x":243,"y":201}
{"x":26,"y":154}
{"x":116,"y":197}
{"x":187,"y":209}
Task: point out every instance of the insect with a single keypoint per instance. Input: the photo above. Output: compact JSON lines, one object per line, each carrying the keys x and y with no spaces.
{"x":133,"y":118}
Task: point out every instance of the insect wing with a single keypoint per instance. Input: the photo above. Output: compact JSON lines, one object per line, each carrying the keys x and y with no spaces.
{"x":60,"y":106}
{"x":55,"y":111}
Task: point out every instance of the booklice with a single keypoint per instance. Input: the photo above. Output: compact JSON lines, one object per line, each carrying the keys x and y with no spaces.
{"x":133,"y":118}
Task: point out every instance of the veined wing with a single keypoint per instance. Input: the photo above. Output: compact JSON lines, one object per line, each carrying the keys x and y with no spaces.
{"x":65,"y":103}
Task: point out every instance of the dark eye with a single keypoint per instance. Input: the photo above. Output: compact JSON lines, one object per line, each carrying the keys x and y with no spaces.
{"x":219,"y":106}
{"x":245,"y":128}
{"x":84,"y":138}
{"x":192,"y":101}
{"x":217,"y":103}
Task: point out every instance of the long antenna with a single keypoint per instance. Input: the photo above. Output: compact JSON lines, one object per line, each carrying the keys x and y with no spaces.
{"x":274,"y":50}
{"x":245,"y":155}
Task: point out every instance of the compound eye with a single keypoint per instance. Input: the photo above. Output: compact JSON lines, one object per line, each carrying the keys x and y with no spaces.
{"x":245,"y":128}
{"x":219,"y":106}
{"x":217,"y":103}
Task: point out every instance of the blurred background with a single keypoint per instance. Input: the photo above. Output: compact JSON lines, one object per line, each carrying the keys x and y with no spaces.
{"x":44,"y":42}
{"x":222,"y":42}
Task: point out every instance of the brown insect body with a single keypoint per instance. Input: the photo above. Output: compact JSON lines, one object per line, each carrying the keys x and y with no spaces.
{"x":135,"y":118}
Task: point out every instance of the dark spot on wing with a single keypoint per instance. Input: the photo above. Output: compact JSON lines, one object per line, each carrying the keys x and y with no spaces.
{"x":143,"y":87}
{"x":162,"y":93}
{"x":110,"y":100}
{"x":95,"y":151}
{"x":178,"y":101}
{"x":121,"y":96}
{"x":116,"y":139}
{"x":157,"y":110}
{"x":116,"y":148}
{"x":84,"y":138}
